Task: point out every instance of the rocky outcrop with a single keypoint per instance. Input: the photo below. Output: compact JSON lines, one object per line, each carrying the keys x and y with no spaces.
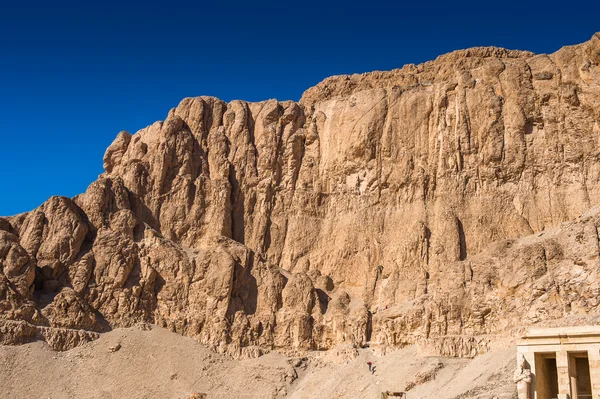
{"x":385,"y":208}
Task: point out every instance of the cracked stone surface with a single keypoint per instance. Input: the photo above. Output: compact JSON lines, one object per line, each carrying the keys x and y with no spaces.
{"x":442,"y":204}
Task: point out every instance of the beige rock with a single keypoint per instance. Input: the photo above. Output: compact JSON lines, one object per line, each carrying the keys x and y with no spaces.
{"x":422,"y":205}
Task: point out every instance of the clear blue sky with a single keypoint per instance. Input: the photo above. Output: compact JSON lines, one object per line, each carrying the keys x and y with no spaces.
{"x":74,"y":74}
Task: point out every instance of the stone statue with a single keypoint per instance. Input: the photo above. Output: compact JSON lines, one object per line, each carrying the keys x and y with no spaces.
{"x":522,"y":378}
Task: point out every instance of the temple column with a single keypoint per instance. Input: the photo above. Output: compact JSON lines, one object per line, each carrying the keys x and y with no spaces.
{"x":562,"y":368}
{"x":594,"y":359}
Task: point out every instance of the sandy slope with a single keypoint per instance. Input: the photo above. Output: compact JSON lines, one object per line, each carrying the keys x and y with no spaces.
{"x":159,"y":364}
{"x":150,"y":364}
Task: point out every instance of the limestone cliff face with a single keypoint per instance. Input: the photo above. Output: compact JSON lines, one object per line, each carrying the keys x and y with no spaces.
{"x":385,"y":207}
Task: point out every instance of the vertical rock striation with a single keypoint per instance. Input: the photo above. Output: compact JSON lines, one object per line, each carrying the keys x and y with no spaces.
{"x":416,"y":205}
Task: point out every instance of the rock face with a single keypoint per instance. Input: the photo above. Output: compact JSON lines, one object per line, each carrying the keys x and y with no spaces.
{"x":416,"y":205}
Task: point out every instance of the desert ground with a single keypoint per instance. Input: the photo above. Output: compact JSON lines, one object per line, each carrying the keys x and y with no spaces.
{"x":151,"y":362}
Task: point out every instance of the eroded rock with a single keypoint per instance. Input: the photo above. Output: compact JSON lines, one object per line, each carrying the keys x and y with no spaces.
{"x":421,"y":205}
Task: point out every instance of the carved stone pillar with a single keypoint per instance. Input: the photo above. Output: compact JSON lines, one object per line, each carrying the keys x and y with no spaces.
{"x":594,"y":359}
{"x":562,"y":368}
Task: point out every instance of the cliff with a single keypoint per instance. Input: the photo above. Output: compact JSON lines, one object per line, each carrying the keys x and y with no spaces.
{"x":426,"y":204}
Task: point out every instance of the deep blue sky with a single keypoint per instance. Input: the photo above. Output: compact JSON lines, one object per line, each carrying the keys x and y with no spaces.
{"x":73,"y":74}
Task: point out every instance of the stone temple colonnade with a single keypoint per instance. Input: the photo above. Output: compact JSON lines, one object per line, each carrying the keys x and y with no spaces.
{"x":559,"y":363}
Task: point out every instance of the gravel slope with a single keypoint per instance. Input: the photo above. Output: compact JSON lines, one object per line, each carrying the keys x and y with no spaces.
{"x":155,"y":363}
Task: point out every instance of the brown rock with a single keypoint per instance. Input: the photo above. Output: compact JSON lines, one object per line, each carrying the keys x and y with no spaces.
{"x":386,"y":208}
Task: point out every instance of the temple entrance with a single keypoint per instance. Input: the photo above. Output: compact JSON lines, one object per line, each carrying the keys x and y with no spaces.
{"x":546,"y":376}
{"x":579,"y":375}
{"x":561,"y":363}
